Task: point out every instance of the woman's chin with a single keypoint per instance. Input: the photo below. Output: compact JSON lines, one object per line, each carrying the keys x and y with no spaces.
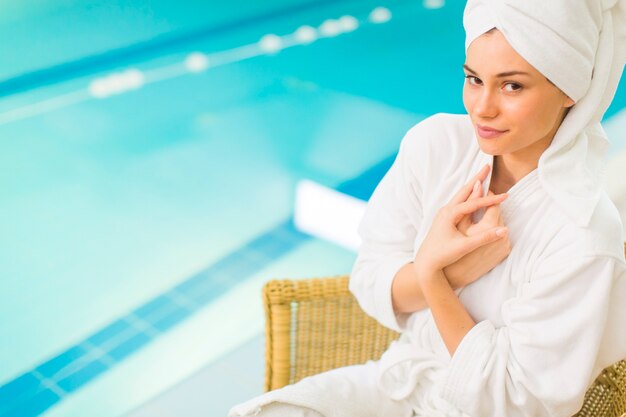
{"x":489,"y":148}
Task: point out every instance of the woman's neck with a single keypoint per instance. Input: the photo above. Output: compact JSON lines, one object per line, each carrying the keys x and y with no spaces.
{"x":507,"y":171}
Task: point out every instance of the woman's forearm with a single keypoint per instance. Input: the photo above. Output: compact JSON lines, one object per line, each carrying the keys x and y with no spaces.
{"x":406,"y":294}
{"x":452,"y":319}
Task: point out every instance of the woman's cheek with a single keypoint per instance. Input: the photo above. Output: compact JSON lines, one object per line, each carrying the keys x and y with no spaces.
{"x":543,"y":118}
{"x":467,"y":100}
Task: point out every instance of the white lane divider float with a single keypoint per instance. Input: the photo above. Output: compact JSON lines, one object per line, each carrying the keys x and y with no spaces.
{"x":197,"y":62}
{"x":434,"y":4}
{"x":380,"y":15}
{"x":117,"y":83}
{"x":271,"y":43}
{"x":305,"y":34}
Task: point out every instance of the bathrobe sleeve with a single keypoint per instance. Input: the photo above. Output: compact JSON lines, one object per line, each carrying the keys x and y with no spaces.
{"x":388,"y":230}
{"x":551,"y":346}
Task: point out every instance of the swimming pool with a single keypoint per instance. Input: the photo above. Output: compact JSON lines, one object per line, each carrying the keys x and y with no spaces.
{"x":149,"y":172}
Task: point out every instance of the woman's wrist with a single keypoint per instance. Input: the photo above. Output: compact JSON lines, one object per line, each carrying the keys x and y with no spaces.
{"x":451,"y":274}
{"x":428,"y":277}
{"x":426,"y":271}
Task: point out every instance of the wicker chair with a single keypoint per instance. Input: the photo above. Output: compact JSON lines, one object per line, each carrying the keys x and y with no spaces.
{"x":314,"y":325}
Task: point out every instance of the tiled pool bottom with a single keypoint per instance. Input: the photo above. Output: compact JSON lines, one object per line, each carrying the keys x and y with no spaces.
{"x":37,"y":390}
{"x":219,"y":328}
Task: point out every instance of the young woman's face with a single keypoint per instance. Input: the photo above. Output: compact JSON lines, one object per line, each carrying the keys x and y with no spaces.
{"x":514,"y":108}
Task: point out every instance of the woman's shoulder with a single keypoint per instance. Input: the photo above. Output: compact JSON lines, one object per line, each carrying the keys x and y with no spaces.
{"x":442,"y":125}
{"x":603,"y":236}
{"x":441,"y":134}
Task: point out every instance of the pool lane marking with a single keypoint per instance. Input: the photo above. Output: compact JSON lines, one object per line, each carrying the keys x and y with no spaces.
{"x":130,"y":79}
{"x":44,"y":106}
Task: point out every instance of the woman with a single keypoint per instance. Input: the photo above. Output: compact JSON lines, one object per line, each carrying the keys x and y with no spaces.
{"x":504,"y":282}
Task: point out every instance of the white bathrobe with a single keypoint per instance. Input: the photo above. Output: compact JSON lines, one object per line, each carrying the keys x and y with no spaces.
{"x":549,"y":318}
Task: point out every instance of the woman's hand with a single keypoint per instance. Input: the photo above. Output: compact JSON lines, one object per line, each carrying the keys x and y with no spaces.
{"x":445,"y":243}
{"x":451,"y":237}
{"x":483,"y":259}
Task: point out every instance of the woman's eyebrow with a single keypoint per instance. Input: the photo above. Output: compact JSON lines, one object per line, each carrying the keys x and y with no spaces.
{"x":502,"y":74}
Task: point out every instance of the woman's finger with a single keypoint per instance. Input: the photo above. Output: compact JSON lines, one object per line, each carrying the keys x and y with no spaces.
{"x":492,"y":213}
{"x":477,"y":191}
{"x":467,"y":189}
{"x":465,"y":192}
{"x":466,"y":222}
{"x":471,"y":206}
{"x":474,"y":242}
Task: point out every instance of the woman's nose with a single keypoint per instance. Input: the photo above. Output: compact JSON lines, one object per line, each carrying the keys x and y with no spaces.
{"x":486,"y":104}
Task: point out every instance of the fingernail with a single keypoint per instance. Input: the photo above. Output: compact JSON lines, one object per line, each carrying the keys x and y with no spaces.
{"x":501,"y":231}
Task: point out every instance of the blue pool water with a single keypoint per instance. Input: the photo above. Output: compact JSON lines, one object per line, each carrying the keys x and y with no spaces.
{"x":132,"y":224}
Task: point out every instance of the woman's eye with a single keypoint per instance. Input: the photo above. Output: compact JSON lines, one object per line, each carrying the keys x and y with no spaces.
{"x":512,"y":87}
{"x":473,"y":80}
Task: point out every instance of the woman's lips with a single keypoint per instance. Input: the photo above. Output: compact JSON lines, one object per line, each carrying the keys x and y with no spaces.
{"x":488,"y":132}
